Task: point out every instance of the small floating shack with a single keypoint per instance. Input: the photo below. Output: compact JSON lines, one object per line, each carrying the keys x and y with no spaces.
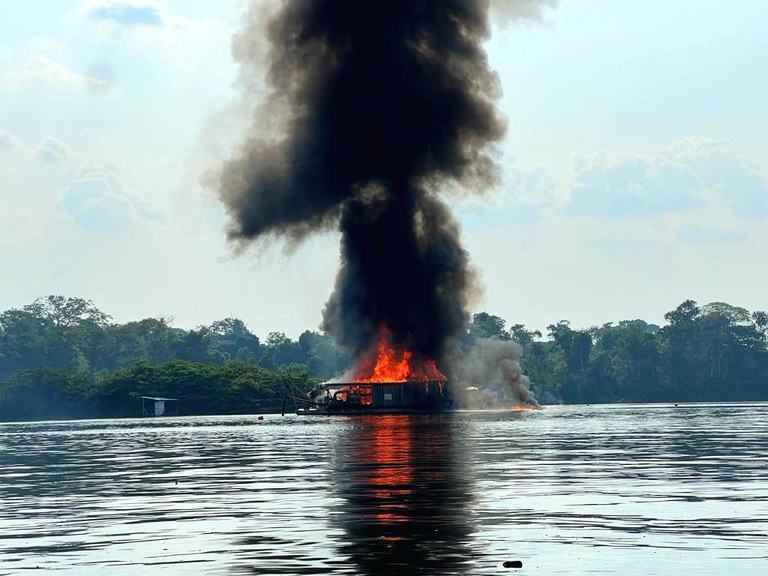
{"x":154,"y":406}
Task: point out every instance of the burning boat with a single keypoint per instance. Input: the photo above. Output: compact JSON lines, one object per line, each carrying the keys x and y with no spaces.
{"x":409,"y":397}
{"x":388,"y":379}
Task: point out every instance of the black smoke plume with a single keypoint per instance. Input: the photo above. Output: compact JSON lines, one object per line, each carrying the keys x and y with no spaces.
{"x":374,"y":108}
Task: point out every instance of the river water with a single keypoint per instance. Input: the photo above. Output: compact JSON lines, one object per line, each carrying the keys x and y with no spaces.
{"x":622,"y":489}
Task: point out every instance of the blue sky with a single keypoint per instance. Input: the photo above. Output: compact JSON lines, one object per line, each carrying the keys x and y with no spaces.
{"x":636,"y":165}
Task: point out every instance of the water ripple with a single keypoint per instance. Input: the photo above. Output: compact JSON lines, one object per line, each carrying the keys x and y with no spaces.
{"x":569,"y":490}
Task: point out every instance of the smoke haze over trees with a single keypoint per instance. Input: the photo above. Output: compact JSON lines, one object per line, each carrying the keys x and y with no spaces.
{"x":63,"y":357}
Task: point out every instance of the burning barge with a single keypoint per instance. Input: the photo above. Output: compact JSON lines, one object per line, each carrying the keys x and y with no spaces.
{"x":408,"y":397}
{"x":389,"y":379}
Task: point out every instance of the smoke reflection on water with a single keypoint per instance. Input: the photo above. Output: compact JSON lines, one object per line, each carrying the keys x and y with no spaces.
{"x":407,"y":492}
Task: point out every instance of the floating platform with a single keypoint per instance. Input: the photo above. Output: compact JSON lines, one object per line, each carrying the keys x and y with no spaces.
{"x":411,"y":397}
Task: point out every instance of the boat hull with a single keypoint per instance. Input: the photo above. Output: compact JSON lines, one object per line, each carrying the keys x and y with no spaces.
{"x":322,"y":411}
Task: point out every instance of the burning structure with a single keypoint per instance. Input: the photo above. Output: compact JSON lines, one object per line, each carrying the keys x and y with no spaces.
{"x":383,"y":380}
{"x":374,"y":110}
{"x":409,"y":397}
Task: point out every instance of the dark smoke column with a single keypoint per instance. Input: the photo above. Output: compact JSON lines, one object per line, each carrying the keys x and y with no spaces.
{"x":383,"y":103}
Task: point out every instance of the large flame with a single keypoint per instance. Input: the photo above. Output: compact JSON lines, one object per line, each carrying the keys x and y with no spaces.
{"x":387,"y":362}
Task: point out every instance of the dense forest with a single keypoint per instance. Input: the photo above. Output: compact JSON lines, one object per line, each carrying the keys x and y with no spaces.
{"x":64,"y":358}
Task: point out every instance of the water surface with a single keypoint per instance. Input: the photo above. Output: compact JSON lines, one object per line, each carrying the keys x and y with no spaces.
{"x":623,"y":489}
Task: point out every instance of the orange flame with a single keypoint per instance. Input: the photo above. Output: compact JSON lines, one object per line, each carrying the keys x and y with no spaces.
{"x":390,"y":363}
{"x":527,"y":407}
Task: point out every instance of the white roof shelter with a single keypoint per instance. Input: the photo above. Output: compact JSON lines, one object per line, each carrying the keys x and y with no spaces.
{"x":156,"y":406}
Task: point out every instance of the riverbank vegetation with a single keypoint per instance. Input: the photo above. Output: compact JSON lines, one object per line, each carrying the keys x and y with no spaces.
{"x":64,"y":358}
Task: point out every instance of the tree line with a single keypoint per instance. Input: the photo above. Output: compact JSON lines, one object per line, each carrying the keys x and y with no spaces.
{"x":62,"y":357}
{"x":713,"y":353}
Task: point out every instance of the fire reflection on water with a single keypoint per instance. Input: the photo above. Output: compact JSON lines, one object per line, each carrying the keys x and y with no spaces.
{"x":390,"y":468}
{"x":407,"y":496}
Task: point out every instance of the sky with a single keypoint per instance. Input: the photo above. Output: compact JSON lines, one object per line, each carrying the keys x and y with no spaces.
{"x":635,"y":166}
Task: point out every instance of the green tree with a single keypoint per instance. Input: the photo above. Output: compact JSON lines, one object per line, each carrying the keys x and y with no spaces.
{"x":46,"y":394}
{"x":485,"y":325}
{"x":576,"y":346}
{"x":231,"y":339}
{"x":195,"y":346}
{"x":323,"y":357}
{"x":281,"y":351}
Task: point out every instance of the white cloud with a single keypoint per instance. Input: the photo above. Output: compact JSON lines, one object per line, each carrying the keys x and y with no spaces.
{"x":52,"y":151}
{"x":688,"y":175}
{"x":43,"y":183}
{"x":704,"y":235}
{"x":96,"y":206}
{"x":8,"y":141}
{"x":525,"y":184}
{"x":43,"y":64}
{"x":118,"y":17}
{"x":525,"y":195}
{"x":100,"y":200}
{"x":40,"y":71}
{"x":148,"y":48}
{"x":726,"y":175}
{"x":631,"y":186}
{"x":523,"y":9}
{"x":128,"y":13}
{"x":52,"y":48}
{"x":101,"y":75}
